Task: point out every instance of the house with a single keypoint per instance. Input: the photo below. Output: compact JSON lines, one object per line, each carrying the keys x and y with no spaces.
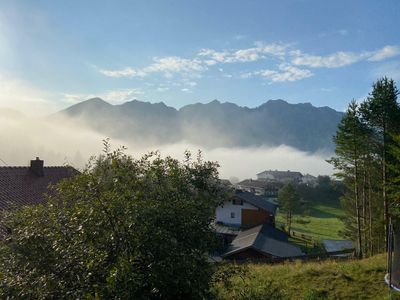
{"x":265,"y":188}
{"x":245,"y":209}
{"x":280,"y":176}
{"x":262,"y":242}
{"x":309,"y":180}
{"x":339,"y":248}
{"x":20,"y":186}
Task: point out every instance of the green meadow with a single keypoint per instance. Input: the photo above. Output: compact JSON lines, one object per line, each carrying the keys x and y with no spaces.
{"x":353,"y":279}
{"x":320,"y":220}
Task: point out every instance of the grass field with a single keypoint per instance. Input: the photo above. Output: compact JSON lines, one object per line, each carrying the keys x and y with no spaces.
{"x":356,"y":279}
{"x":319,"y":221}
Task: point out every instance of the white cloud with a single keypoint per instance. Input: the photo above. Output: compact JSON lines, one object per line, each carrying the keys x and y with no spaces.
{"x":216,"y":56}
{"x":341,"y":58}
{"x":247,"y":162}
{"x":191,"y":83}
{"x":258,"y":52}
{"x":125,"y":72}
{"x":174,"y":64}
{"x":113,"y":96}
{"x":384,"y":53}
{"x":186,"y":90}
{"x":335,"y":60}
{"x":284,"y":73}
{"x":166,"y":65}
{"x":288,"y":69}
{"x":162,"y":89}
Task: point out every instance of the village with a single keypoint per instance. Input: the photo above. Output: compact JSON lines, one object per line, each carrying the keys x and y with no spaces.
{"x":245,"y":222}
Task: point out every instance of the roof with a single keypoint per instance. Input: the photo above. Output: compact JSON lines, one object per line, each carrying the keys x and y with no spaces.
{"x":20,"y":186}
{"x":260,"y":184}
{"x":225,"y":182}
{"x":265,"y":239}
{"x":282,"y":174}
{"x":223,"y":229}
{"x":337,"y":245}
{"x":257,"y":201}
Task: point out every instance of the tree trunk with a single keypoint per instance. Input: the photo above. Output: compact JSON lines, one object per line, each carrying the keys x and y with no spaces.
{"x":356,"y":200}
{"x":384,"y":196}
{"x":371,"y":247}
{"x":364,"y":209}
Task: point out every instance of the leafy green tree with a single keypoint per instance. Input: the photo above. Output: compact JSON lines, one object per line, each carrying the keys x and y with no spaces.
{"x":124,"y":228}
{"x":289,"y":202}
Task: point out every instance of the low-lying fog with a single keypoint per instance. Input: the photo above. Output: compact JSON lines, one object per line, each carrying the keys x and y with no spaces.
{"x":23,"y":138}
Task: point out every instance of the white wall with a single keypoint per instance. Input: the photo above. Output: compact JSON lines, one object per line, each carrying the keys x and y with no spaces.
{"x":223,"y":213}
{"x":264,"y":176}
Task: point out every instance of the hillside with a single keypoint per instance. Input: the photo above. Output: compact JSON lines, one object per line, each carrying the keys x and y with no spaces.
{"x":321,"y":221}
{"x":214,"y":124}
{"x":352,"y":279}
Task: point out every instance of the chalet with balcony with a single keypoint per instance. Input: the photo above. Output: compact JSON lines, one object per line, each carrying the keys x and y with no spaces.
{"x":245,"y":209}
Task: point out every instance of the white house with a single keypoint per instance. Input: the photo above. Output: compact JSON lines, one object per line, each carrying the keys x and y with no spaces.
{"x":280,"y":176}
{"x":245,"y":209}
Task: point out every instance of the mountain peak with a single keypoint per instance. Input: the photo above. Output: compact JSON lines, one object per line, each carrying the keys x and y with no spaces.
{"x":96,"y":100}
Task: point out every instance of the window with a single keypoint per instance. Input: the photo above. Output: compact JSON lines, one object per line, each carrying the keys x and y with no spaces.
{"x":232,"y":215}
{"x":236,"y":201}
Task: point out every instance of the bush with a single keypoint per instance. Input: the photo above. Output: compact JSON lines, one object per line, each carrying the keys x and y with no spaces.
{"x":124,"y":228}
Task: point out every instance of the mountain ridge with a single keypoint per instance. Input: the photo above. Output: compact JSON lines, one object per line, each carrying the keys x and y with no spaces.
{"x":214,"y":124}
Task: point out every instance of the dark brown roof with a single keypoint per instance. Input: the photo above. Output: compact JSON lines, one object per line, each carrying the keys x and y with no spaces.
{"x":20,"y":186}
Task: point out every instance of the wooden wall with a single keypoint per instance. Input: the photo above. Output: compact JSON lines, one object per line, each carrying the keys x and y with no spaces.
{"x":254,"y":217}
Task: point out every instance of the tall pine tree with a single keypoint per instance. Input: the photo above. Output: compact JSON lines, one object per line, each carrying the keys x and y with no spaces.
{"x":382,"y":113}
{"x":350,"y":141}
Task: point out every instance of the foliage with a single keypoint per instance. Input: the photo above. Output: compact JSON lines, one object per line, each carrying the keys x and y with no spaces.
{"x":363,"y":157}
{"x":289,"y":201}
{"x":235,"y":282}
{"x":124,"y":228}
{"x":326,"y":191}
{"x":353,"y":279}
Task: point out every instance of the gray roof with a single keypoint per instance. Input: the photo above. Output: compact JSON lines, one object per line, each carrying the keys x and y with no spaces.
{"x":257,"y":201}
{"x":260,"y":184}
{"x":282,"y":174}
{"x":264,"y":239}
{"x":337,"y":245}
{"x":223,"y":229}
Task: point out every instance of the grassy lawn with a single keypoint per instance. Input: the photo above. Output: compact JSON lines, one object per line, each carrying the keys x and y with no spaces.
{"x":320,"y":221}
{"x":355,"y":279}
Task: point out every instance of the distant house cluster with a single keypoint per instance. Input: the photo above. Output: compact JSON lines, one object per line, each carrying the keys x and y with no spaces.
{"x":245,"y":220}
{"x":286,"y":177}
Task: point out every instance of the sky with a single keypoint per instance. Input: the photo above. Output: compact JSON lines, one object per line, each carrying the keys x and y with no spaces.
{"x":54,"y":54}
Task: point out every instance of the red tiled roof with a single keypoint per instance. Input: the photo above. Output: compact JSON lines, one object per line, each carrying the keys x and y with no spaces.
{"x":20,"y":186}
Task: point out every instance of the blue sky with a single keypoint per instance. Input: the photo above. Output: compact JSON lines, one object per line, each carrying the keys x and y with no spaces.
{"x":57,"y":53}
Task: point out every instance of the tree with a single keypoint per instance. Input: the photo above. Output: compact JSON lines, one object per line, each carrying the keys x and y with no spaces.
{"x":124,"y":228}
{"x":289,"y":201}
{"x":350,"y":140}
{"x":382,"y":112}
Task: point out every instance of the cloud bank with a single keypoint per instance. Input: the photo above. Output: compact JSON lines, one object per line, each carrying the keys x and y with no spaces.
{"x":284,"y":62}
{"x":59,"y":142}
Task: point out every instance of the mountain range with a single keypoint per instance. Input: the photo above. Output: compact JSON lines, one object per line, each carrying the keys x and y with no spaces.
{"x":214,"y":124}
